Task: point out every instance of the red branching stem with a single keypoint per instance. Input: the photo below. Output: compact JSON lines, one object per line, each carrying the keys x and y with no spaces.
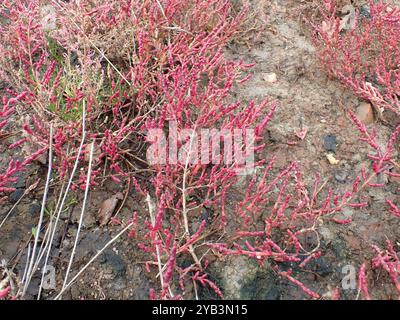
{"x":287,"y":275}
{"x":5,"y":292}
{"x":363,"y":282}
{"x":312,"y":256}
{"x":395,"y":210}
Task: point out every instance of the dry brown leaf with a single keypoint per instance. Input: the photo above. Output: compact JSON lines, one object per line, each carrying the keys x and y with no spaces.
{"x":96,"y":152}
{"x":107,"y":208}
{"x":301,"y":134}
{"x":332,"y":160}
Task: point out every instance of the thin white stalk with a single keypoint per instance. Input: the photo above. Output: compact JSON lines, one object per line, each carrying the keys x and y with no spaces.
{"x":165,"y":17}
{"x":184,"y":209}
{"x":89,"y":174}
{"x":31,"y":271}
{"x":195,"y":290}
{"x":33,"y":186}
{"x":42,"y":251}
{"x":151,"y":207}
{"x":13,"y":207}
{"x":59,"y":210}
{"x":93,"y":259}
{"x":49,"y":227}
{"x":27,"y":262}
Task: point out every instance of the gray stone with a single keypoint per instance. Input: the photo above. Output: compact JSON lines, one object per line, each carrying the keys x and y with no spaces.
{"x":115,"y":262}
{"x":34,"y":209}
{"x":340,"y":175}
{"x":321,"y":266}
{"x":330,"y":143}
{"x":16,"y":195}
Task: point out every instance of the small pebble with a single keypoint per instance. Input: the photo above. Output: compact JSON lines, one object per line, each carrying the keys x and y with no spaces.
{"x":340,"y":176}
{"x":365,"y":12}
{"x":16,"y":195}
{"x":34,"y":209}
{"x":330,"y":143}
{"x":270,"y":77}
{"x":332,"y":160}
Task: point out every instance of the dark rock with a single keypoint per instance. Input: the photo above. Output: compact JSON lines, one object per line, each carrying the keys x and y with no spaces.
{"x":321,"y":266}
{"x":330,"y":143}
{"x":20,"y":183}
{"x":264,"y":286}
{"x":365,"y":12}
{"x":91,"y":243}
{"x":340,"y":175}
{"x":207,"y":214}
{"x":34,"y":209}
{"x":33,"y":288}
{"x":16,"y":195}
{"x":115,"y":262}
{"x":339,"y":248}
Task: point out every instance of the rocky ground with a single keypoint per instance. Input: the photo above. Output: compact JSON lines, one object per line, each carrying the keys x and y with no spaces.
{"x":287,"y":71}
